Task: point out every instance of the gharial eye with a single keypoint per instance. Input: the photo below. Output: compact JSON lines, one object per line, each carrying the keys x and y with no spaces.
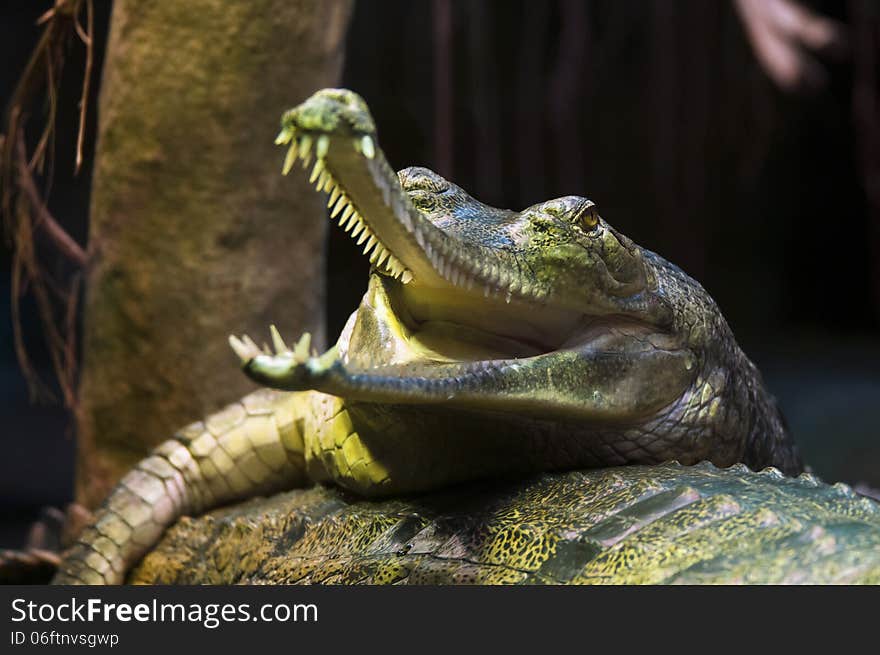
{"x":587,"y":217}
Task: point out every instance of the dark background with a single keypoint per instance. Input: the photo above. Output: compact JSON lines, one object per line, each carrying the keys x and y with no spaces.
{"x":658,"y":111}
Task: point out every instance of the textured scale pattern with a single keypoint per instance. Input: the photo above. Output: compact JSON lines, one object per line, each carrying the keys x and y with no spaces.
{"x":267,"y":442}
{"x":251,"y":446}
{"x":632,"y":364}
{"x":637,"y":524}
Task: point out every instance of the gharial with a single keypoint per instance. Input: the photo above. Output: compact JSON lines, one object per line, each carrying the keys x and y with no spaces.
{"x":494,"y":344}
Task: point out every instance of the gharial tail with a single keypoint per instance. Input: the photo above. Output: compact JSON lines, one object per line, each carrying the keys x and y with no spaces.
{"x":251,"y":447}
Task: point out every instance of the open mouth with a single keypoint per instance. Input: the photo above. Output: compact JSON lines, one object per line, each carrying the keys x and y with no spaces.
{"x":447,"y":308}
{"x":437,"y":306}
{"x":456,"y":314}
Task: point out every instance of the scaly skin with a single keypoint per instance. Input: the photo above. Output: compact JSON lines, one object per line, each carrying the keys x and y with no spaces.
{"x":490,"y":343}
{"x":661,"y":524}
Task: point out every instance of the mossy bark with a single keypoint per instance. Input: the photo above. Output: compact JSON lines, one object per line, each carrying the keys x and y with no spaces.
{"x":194,"y":232}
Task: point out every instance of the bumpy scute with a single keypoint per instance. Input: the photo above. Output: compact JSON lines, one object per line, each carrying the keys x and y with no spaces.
{"x":639,"y":524}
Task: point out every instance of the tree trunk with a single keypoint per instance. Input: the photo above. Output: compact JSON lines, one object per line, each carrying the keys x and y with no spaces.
{"x":194,"y":232}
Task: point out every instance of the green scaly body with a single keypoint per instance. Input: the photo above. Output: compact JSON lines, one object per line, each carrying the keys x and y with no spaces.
{"x":663,"y":524}
{"x":491,"y":344}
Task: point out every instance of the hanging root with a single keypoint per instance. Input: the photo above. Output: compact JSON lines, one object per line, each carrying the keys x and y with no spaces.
{"x":23,"y":206}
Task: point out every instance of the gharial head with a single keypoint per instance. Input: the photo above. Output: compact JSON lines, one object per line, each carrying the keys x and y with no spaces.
{"x":460,"y":288}
{"x":557,"y":256}
{"x":438,"y":240}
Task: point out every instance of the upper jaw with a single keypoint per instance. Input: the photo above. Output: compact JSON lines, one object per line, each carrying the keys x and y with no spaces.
{"x":334,"y":129}
{"x":366,"y":196}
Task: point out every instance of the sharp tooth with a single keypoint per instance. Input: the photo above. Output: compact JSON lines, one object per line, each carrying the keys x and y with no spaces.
{"x":455,"y":276}
{"x":254,"y":348}
{"x":406,"y":277}
{"x":324,"y":181}
{"x":322,"y":146}
{"x":301,"y":349}
{"x":364,"y":236}
{"x":317,"y":170}
{"x":289,"y":159}
{"x":375,"y":256}
{"x":340,"y":203}
{"x":447,"y":271}
{"x":357,"y":229}
{"x":306,"y":159}
{"x":370,"y":244}
{"x":367,"y":146}
{"x":333,"y":196}
{"x":382,"y":257}
{"x":306,"y":146}
{"x":277,"y":341}
{"x":284,"y":136}
{"x":347,"y":211}
{"x":243,"y":352}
